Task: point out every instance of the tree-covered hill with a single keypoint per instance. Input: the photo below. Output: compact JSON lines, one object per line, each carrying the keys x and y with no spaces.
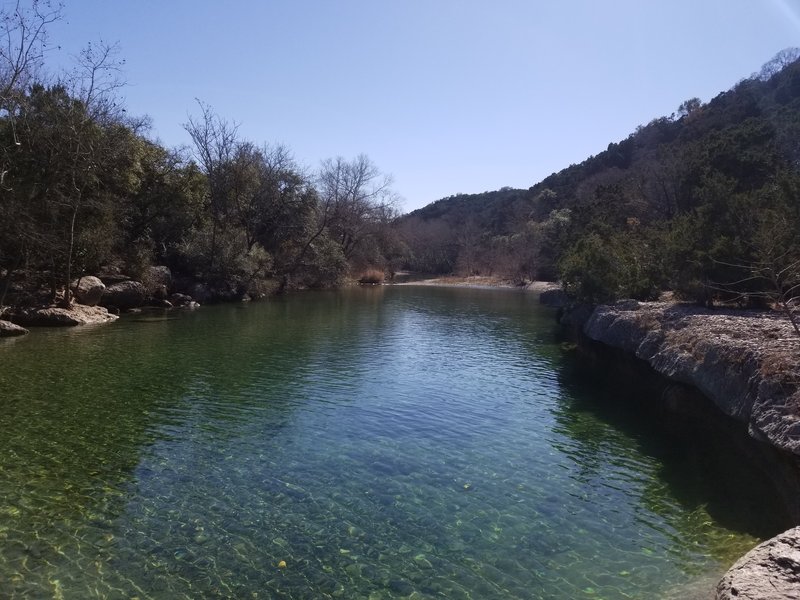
{"x":704,"y":201}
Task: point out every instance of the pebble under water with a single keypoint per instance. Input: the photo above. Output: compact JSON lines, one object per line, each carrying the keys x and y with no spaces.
{"x":391,"y":442}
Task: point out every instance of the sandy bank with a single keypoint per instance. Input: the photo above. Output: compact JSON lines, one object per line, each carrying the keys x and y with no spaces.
{"x":482,"y":282}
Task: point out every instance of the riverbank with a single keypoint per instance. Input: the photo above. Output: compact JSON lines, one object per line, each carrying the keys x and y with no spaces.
{"x":481,"y":281}
{"x":744,"y":362}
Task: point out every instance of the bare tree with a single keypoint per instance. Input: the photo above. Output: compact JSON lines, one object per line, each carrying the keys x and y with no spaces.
{"x":776,"y":280}
{"x":23,"y":45}
{"x":779,"y":62}
{"x":773,"y":272}
{"x":355,"y":197}
{"x":96,"y":78}
{"x":215,"y":145}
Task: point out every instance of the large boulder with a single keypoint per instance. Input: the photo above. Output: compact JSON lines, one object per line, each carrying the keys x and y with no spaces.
{"x":88,"y":290}
{"x":51,"y":316}
{"x":111,"y":274}
{"x":125,"y":295}
{"x":9,"y":329}
{"x":770,"y":571}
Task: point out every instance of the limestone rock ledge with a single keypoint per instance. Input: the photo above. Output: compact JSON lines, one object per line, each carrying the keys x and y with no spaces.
{"x":746,"y":362}
{"x":50,"y":316}
{"x":770,"y":571}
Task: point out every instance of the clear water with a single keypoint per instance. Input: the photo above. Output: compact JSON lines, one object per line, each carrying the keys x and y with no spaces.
{"x":403,"y":442}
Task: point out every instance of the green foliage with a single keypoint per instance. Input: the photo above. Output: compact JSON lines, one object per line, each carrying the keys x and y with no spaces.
{"x":602,"y":269}
{"x":81,"y":187}
{"x":324,"y":266}
{"x":686,"y":202}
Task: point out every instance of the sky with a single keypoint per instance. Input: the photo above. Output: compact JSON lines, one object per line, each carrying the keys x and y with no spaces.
{"x":448,"y":96}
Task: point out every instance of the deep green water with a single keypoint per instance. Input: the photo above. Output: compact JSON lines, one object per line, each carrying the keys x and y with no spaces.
{"x":403,"y":442}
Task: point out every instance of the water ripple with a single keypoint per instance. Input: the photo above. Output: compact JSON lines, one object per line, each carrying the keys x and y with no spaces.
{"x":387,"y":443}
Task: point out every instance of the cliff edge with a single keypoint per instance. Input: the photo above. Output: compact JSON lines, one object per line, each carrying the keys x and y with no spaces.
{"x":746,"y":362}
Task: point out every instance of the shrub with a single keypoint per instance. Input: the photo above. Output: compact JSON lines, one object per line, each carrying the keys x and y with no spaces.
{"x":371,"y":276}
{"x":602,"y":270}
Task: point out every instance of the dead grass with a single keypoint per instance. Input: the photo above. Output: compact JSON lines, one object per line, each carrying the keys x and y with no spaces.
{"x":371,"y":277}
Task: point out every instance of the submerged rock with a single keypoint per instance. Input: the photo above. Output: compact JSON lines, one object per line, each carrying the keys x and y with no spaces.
{"x":770,"y":571}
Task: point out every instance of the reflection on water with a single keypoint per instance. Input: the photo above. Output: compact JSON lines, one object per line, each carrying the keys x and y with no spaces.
{"x":370,"y":443}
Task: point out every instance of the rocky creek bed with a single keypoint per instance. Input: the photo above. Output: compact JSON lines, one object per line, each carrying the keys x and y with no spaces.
{"x":746,"y":363}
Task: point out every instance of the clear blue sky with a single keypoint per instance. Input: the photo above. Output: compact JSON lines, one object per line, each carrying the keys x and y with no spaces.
{"x":448,"y":96}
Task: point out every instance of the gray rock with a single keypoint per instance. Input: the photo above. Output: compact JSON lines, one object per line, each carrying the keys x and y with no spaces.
{"x":180,"y":299}
{"x":111,"y":274}
{"x":125,"y":295}
{"x":159,"y":292}
{"x":770,"y":571}
{"x":9,"y":329}
{"x":158,"y":303}
{"x":61,"y":317}
{"x":745,"y":362}
{"x":88,"y":290}
{"x":627,"y":304}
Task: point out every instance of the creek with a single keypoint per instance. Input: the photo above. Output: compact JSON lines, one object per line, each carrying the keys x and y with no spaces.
{"x":387,"y":442}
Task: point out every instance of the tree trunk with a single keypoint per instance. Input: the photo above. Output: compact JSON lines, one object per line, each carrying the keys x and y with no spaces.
{"x":67,"y":300}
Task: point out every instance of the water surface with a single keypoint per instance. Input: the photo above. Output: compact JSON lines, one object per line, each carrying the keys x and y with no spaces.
{"x":405,"y":442}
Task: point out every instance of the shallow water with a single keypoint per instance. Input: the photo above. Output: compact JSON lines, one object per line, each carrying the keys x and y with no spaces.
{"x":403,"y":442}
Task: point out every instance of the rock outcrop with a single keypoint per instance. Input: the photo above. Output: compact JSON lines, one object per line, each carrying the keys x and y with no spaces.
{"x":125,"y":295}
{"x":9,"y":329}
{"x":770,"y":571}
{"x":88,"y":290}
{"x":744,"y":361}
{"x":51,"y":316}
{"x":181,"y":300}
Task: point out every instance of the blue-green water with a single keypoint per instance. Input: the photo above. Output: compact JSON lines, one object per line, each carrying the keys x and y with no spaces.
{"x":404,"y":442}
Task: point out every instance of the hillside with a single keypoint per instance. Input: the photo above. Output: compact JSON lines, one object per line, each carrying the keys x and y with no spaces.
{"x":673,"y":205}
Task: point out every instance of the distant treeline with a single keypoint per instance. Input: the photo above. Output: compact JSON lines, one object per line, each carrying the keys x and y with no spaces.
{"x":84,"y":188}
{"x":705,"y":202}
